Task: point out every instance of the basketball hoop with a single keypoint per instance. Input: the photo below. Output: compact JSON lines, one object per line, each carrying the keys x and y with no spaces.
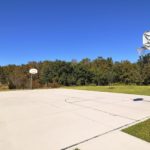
{"x":32,"y":72}
{"x":146,"y":43}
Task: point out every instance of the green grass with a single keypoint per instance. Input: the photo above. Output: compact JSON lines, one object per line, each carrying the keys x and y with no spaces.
{"x":128,"y":89}
{"x":141,"y":130}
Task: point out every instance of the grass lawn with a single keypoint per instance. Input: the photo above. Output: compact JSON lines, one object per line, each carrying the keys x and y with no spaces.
{"x":131,"y":89}
{"x":141,"y":130}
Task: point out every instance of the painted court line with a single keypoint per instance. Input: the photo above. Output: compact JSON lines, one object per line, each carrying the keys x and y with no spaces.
{"x":95,"y":109}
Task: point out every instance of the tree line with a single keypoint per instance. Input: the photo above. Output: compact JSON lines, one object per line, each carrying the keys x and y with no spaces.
{"x":100,"y":71}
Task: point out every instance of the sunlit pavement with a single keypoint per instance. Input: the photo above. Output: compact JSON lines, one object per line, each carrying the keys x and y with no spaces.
{"x":58,"y":119}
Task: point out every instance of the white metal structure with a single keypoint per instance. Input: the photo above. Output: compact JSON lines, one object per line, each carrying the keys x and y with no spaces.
{"x":146,"y":42}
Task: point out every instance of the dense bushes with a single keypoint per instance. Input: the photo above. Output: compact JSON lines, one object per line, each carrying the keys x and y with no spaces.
{"x":86,"y":72}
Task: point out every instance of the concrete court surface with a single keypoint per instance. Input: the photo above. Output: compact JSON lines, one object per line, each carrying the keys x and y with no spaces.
{"x":61,"y":119}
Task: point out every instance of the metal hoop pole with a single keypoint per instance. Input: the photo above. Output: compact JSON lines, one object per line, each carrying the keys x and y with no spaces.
{"x":31,"y":79}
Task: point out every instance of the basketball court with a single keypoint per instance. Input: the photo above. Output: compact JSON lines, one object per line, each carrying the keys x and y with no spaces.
{"x":61,"y":119}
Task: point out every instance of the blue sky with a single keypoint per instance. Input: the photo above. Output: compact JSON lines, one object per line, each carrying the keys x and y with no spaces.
{"x":34,"y":30}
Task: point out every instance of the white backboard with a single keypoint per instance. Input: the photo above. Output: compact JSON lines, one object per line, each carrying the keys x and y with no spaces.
{"x":33,"y":71}
{"x":146,"y":40}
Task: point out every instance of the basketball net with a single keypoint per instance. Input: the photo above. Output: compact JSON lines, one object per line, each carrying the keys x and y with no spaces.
{"x":141,"y":51}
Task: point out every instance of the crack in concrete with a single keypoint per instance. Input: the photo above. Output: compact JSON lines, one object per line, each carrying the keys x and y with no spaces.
{"x":104,"y":133}
{"x":94,"y":137}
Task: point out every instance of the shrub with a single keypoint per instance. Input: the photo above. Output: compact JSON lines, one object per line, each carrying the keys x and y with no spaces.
{"x":54,"y":85}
